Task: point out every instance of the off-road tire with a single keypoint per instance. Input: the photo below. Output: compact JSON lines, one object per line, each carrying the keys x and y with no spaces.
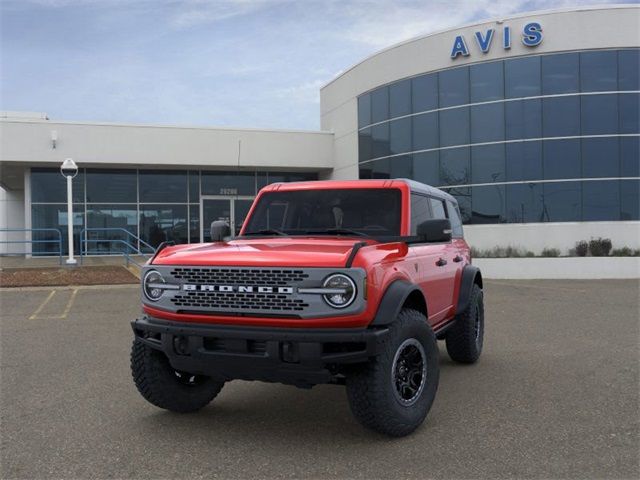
{"x":371,"y":388}
{"x":160,"y":384}
{"x":464,"y":343}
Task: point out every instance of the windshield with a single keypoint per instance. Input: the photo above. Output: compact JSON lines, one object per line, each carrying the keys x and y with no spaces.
{"x":357,"y":212}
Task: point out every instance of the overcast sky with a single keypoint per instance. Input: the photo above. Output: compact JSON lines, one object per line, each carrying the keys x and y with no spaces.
{"x":248,"y":63}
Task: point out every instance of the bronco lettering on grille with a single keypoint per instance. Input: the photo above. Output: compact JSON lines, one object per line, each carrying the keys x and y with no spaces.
{"x":237,"y":288}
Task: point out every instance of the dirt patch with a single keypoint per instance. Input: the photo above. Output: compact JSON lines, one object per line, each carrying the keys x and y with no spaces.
{"x":39,"y":277}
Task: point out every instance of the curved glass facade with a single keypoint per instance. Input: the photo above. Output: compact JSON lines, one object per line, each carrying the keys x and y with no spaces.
{"x":541,"y":138}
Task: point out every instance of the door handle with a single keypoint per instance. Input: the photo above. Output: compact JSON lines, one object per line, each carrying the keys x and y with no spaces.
{"x":457,"y":259}
{"x":441,"y":262}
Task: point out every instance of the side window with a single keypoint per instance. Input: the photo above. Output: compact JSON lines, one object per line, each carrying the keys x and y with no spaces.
{"x":456,"y":222}
{"x":438,"y":208}
{"x":420,"y":211}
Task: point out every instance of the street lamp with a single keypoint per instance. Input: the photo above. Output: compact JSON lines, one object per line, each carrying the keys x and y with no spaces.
{"x":69,"y":169}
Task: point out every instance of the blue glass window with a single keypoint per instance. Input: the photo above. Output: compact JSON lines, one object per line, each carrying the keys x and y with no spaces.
{"x":116,"y":218}
{"x":599,"y":114}
{"x":378,"y":168}
{"x":629,"y":112}
{"x":161,"y":223}
{"x":599,"y":71}
{"x":112,"y":186}
{"x":560,"y":73}
{"x":629,"y":200}
{"x":400,"y":135}
{"x":426,"y":168}
{"x":380,"y":140}
{"x":455,"y":167}
{"x":523,"y":119}
{"x":424,"y":90}
{"x":487,"y":82}
{"x":194,"y":186}
{"x":380,"y":105}
{"x":630,"y":156}
{"x":454,"y":87}
{"x":487,"y":123}
{"x":562,"y":202}
{"x":524,"y":203}
{"x":400,"y":99}
{"x":454,"y":126}
{"x":561,"y":116}
{"x":523,"y":161}
{"x":522,"y":77}
{"x":487,"y":204}
{"x":463,"y":196}
{"x":629,"y":69}
{"x":601,"y":200}
{"x":48,"y":185}
{"x":194,"y":223}
{"x":401,"y":167}
{"x":365,"y":145}
{"x":53,"y":216}
{"x":364,"y":110}
{"x":487,"y":164}
{"x":600,"y":157}
{"x":425,"y":131}
{"x":158,"y":186}
{"x":561,"y":159}
{"x":228,"y":183}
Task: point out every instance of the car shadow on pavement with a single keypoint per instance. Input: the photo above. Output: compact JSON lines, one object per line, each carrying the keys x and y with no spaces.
{"x":274,"y":413}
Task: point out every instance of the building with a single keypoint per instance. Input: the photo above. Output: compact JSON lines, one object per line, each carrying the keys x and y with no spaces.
{"x":530,"y":121}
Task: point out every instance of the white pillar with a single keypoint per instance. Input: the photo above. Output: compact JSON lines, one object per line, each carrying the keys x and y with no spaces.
{"x":70,"y":260}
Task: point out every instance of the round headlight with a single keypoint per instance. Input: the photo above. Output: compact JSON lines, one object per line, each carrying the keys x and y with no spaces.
{"x":343,"y":290}
{"x":150,"y":285}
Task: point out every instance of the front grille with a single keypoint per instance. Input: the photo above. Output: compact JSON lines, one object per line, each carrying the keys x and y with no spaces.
{"x":238,"y":301}
{"x":237,"y":276}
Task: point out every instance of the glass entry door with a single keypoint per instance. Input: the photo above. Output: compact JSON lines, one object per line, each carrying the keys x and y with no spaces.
{"x":231,"y":210}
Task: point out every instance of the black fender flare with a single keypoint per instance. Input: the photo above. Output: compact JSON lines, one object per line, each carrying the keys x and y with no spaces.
{"x":470,"y":275}
{"x":393,"y":300}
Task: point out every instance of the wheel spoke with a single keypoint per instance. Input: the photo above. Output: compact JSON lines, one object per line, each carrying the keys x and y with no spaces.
{"x":409,"y":371}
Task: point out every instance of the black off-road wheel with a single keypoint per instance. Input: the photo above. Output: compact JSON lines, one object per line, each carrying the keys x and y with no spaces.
{"x":394,"y":392}
{"x":465,"y":338}
{"x":165,"y":387}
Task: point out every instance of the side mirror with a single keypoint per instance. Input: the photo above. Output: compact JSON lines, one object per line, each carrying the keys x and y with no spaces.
{"x":435,"y":230}
{"x":220,"y":230}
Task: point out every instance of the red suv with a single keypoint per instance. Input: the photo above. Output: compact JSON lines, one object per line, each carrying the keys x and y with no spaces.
{"x":343,"y":282}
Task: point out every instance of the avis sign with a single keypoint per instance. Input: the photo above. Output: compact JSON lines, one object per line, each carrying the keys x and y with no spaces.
{"x":531,"y":36}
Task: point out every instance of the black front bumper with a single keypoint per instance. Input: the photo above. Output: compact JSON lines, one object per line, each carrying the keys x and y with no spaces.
{"x":296,"y":356}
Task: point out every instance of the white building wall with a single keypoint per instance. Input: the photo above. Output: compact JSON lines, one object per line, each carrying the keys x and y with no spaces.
{"x":563,"y":236}
{"x":11,"y":216}
{"x":115,"y":145}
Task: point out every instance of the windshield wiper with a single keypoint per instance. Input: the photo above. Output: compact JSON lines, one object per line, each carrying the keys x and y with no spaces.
{"x":268,"y":231}
{"x":337,"y":231}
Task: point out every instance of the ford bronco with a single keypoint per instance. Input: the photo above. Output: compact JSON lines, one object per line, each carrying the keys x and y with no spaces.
{"x":343,"y":282}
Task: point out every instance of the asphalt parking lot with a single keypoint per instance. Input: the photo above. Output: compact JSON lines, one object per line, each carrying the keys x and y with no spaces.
{"x":555,"y":395}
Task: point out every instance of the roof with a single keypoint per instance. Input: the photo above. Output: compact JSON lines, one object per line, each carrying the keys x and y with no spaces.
{"x":347,"y":184}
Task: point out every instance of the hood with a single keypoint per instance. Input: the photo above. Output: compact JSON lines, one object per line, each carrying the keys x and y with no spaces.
{"x":274,"y":252}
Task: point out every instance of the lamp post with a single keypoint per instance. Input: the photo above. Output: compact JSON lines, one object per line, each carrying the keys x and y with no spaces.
{"x":69,"y":169}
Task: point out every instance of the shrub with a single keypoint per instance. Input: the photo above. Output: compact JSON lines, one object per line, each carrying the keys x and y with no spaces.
{"x":625,"y":252}
{"x":582,"y":248}
{"x":600,"y":247}
{"x":550,"y":252}
{"x":529,"y":253}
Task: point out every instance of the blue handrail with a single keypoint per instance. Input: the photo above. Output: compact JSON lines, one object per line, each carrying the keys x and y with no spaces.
{"x":129,"y":248}
{"x":31,"y":241}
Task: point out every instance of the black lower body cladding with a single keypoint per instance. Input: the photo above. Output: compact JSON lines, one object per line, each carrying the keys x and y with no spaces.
{"x":297,"y":356}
